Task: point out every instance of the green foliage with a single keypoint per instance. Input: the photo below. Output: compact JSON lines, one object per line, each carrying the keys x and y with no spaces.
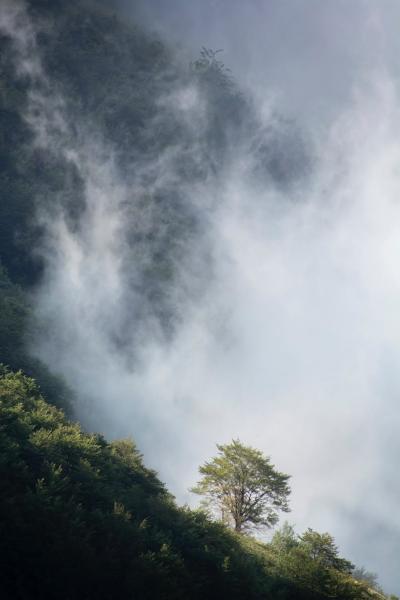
{"x":80,"y":518}
{"x":321,"y":548}
{"x":284,"y":540}
{"x":243,"y":485}
{"x":313,"y":562}
{"x":83,"y":518}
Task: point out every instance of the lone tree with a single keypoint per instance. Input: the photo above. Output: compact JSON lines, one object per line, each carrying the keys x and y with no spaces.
{"x":244,"y":486}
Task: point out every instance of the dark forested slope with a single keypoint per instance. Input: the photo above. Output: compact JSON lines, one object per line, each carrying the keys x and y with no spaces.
{"x":83,"y":518}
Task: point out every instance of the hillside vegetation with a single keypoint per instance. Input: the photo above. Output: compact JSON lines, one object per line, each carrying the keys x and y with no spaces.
{"x":83,"y":518}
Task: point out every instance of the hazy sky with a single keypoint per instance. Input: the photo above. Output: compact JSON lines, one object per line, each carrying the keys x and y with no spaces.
{"x":295,"y":347}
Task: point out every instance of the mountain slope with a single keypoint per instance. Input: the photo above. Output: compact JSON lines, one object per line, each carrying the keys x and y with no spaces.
{"x":83,"y":518}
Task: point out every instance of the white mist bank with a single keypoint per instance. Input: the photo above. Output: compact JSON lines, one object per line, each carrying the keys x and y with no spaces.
{"x":294,"y":347}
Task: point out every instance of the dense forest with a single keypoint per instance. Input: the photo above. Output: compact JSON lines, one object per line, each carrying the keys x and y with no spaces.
{"x":82,"y":517}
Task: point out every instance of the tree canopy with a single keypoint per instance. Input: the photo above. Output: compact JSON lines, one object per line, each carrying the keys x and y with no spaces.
{"x":244,"y":486}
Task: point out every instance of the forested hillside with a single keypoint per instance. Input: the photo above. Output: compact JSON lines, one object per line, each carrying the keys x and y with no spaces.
{"x":81,"y":517}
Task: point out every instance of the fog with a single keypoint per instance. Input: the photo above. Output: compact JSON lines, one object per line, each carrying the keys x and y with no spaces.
{"x":288,"y":328}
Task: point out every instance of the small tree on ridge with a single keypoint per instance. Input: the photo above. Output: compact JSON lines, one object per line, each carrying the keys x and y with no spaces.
{"x":244,"y":486}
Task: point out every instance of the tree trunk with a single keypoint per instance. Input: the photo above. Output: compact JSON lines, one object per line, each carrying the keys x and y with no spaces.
{"x":238,"y":525}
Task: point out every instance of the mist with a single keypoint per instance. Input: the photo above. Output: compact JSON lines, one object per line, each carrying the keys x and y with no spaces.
{"x":282,"y":311}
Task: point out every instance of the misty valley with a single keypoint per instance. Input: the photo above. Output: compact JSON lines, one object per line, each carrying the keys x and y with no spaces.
{"x":198,"y":286}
